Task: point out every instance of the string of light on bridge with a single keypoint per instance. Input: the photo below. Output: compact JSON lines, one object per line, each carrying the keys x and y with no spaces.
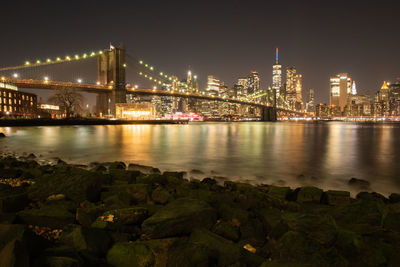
{"x":164,"y":77}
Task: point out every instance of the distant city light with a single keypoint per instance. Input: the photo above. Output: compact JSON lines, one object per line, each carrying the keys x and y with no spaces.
{"x":15,"y":75}
{"x":46,"y":78}
{"x":79,"y":80}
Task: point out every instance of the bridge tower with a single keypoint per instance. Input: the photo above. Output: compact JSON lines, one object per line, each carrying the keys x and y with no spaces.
{"x":111,"y":72}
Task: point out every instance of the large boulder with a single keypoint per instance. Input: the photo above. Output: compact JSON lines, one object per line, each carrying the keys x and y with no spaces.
{"x":160,"y":195}
{"x":53,"y":214}
{"x":179,"y":217}
{"x":336,"y":198}
{"x":321,"y":228}
{"x":93,"y":240}
{"x":308,"y":194}
{"x":75,"y":183}
{"x":205,"y":248}
{"x":143,"y":169}
{"x":14,"y":253}
{"x":226,"y":230}
{"x":12,"y":199}
{"x":114,"y":219}
{"x":296,"y":247}
{"x":130,"y":254}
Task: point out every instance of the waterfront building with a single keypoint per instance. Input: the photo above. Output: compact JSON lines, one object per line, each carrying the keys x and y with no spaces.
{"x":16,"y":103}
{"x":135,"y":111}
{"x":253,"y":82}
{"x":340,"y":88}
{"x":49,"y":111}
{"x":277,"y":73}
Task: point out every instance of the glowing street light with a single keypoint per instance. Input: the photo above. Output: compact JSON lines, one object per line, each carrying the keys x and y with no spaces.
{"x":98,"y":83}
{"x":15,"y":75}
{"x":79,"y":80}
{"x":46,"y":79}
{"x":136,"y":86}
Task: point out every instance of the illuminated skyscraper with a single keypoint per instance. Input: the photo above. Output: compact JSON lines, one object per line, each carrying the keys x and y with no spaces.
{"x":291,"y":84}
{"x":340,"y":88}
{"x":277,"y":73}
{"x":353,"y":88}
{"x":299,"y":85}
{"x":253,"y":82}
{"x":213,"y":85}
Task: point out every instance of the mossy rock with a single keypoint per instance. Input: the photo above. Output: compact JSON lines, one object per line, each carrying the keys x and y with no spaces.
{"x":140,"y":193}
{"x":281,"y":192}
{"x":86,"y":239}
{"x":161,"y":196}
{"x":308,"y":194}
{"x":295,"y":246}
{"x":130,"y":254}
{"x":336,"y":198}
{"x":116,"y":219}
{"x":179,"y":217}
{"x":226,"y":230}
{"x":53,"y":214}
{"x":75,"y":183}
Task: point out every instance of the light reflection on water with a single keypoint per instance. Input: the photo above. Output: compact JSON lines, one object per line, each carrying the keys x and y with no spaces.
{"x":293,"y":154}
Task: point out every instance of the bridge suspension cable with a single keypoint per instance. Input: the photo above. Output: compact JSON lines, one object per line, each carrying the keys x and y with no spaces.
{"x":56,"y":60}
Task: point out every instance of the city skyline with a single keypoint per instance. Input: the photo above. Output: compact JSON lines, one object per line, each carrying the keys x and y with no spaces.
{"x":368,"y":54}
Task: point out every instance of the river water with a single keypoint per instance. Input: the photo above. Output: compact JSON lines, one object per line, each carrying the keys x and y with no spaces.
{"x":324,"y":154}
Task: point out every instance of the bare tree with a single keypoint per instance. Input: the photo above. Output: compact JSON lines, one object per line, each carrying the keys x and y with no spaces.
{"x":69,"y":100}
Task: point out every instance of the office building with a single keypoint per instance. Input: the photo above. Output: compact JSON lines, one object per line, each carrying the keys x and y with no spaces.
{"x":340,"y":88}
{"x":16,"y":103}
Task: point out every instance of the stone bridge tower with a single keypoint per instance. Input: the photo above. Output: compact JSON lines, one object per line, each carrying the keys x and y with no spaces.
{"x":111,"y":72}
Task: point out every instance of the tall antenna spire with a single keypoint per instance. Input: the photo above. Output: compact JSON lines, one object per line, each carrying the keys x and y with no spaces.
{"x":277,"y":56}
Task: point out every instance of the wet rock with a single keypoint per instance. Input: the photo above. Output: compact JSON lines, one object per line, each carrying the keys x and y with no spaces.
{"x":53,"y":214}
{"x":209,"y":181}
{"x":14,"y":253}
{"x":119,"y":165}
{"x":161,"y":196}
{"x":87,"y":213}
{"x":279,"y":192}
{"x":359,"y":216}
{"x":178,"y":175}
{"x":296,"y":247}
{"x":359,"y":183}
{"x":225,"y":252}
{"x":307,"y":194}
{"x":129,"y":254}
{"x":179,"y":217}
{"x":75,"y":183}
{"x":93,"y":240}
{"x":56,"y":261}
{"x":123,"y":175}
{"x":140,"y":193}
{"x":320,"y":228}
{"x":392,"y":221}
{"x":252,"y":233}
{"x":113,"y":219}
{"x":143,"y":169}
{"x":371,"y":196}
{"x":336,"y":198}
{"x":13,"y":199}
{"x":2,"y":135}
{"x":394,"y":198}
{"x":226,"y":230}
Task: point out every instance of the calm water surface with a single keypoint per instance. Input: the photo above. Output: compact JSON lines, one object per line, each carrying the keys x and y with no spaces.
{"x":285,"y":153}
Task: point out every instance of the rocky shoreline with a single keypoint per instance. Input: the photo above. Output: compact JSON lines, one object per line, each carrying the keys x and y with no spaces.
{"x":110,"y":214}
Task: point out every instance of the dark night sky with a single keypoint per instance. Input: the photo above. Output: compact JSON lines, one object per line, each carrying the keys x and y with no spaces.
{"x":223,"y":38}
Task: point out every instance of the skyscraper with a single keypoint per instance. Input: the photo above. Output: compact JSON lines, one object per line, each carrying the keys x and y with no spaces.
{"x":213,"y":85}
{"x":253,"y":82}
{"x":277,"y":73}
{"x":299,"y":85}
{"x":353,"y":88}
{"x":291,"y":84}
{"x":340,"y":88}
